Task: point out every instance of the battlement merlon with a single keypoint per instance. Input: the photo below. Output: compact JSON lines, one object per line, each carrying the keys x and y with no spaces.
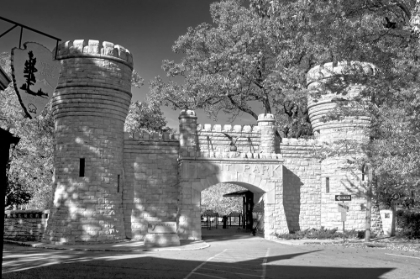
{"x":94,"y":49}
{"x":228,"y":128}
{"x":323,"y":73}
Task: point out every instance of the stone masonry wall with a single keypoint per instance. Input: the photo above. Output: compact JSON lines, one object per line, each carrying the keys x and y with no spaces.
{"x":301,"y":184}
{"x":215,"y":138}
{"x":25,"y":225}
{"x":150,"y":181}
{"x":90,"y":105}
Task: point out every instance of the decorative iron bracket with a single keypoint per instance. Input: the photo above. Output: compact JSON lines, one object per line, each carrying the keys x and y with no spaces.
{"x":16,"y":24}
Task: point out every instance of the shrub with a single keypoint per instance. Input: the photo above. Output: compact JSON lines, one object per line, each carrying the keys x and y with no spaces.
{"x":409,"y":223}
{"x":321,"y":233}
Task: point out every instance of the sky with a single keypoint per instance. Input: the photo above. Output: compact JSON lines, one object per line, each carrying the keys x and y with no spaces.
{"x":147,"y":28}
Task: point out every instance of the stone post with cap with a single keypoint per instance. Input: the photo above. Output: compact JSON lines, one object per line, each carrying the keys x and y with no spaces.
{"x":266,"y":123}
{"x":187,"y":133}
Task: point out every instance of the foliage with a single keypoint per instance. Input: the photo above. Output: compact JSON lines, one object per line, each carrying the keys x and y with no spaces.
{"x":144,"y":117}
{"x":232,"y":63}
{"x":136,"y":80}
{"x":409,"y":223}
{"x":212,"y":199}
{"x":321,"y":233}
{"x":30,"y":166}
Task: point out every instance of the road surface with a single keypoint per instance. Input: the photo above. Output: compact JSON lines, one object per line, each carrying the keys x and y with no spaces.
{"x":246,"y":257}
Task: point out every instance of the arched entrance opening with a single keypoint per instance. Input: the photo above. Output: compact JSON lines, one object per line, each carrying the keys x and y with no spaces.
{"x":227,"y":209}
{"x":263,"y":177}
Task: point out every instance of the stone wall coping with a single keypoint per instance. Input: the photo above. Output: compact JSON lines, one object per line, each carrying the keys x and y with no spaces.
{"x":94,"y":49}
{"x":228,"y":128}
{"x":236,"y":155}
{"x":145,"y":136}
{"x":27,"y":214}
{"x":304,"y":142}
{"x":233,"y":160}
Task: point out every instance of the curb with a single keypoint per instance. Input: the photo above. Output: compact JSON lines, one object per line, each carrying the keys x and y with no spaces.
{"x":201,"y":245}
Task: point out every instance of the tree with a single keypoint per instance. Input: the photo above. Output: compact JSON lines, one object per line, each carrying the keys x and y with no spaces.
{"x":232,"y":63}
{"x":384,"y":33}
{"x":30,"y":166}
{"x":144,"y":117}
{"x":212,"y":199}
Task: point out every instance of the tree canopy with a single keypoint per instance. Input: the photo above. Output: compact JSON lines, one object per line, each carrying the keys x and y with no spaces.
{"x":144,"y":117}
{"x":262,"y":53}
{"x":231,"y":63}
{"x":30,"y":166}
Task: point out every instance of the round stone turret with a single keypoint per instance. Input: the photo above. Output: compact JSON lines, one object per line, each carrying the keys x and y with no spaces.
{"x":322,"y":104}
{"x":339,"y":174}
{"x":266,"y":123}
{"x":90,"y":105}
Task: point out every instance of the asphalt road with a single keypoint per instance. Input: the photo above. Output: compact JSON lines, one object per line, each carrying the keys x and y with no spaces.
{"x":247,"y":257}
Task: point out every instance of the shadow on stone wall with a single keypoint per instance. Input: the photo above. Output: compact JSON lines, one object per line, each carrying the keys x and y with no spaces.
{"x":89,"y":107}
{"x":291,"y":199}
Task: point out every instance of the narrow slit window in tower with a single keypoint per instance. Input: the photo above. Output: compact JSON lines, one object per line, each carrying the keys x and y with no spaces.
{"x":327,"y":184}
{"x":118,"y":183}
{"x":82,"y":167}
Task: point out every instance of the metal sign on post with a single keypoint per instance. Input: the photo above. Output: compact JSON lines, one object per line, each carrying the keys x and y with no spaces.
{"x":342,"y":208}
{"x":342,"y":197}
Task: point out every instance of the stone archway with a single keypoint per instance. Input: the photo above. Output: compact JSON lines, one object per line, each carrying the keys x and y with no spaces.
{"x":262,"y":176}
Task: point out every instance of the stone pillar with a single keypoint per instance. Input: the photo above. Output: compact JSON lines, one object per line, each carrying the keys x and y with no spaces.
{"x":188,"y":133}
{"x":339,"y":175}
{"x":90,"y":105}
{"x":266,"y":123}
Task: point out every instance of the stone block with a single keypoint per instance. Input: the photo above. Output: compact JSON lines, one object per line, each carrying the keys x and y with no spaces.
{"x":161,"y":227}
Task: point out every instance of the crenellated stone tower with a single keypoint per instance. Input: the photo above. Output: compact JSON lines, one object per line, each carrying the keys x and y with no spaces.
{"x":90,"y":105}
{"x":339,"y":174}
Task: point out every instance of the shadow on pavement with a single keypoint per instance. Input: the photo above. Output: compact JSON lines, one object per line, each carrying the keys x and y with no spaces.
{"x":80,"y":264}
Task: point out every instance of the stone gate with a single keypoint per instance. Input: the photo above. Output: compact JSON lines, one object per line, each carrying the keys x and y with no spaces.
{"x":109,"y":185}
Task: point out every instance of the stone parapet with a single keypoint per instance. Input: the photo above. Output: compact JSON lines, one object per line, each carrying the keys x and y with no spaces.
{"x":221,"y":138}
{"x":25,"y":225}
{"x":94,"y":49}
{"x":322,"y":100}
{"x":95,"y":80}
{"x":228,"y":128}
{"x":152,"y":137}
{"x":299,"y":148}
{"x":241,"y":155}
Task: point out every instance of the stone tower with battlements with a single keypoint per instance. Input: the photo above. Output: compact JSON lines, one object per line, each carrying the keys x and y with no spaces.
{"x":339,"y":173}
{"x":90,"y":105}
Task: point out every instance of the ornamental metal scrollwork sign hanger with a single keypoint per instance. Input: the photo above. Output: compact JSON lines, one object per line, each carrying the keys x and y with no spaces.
{"x":34,"y":72}
{"x":35,"y":76}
